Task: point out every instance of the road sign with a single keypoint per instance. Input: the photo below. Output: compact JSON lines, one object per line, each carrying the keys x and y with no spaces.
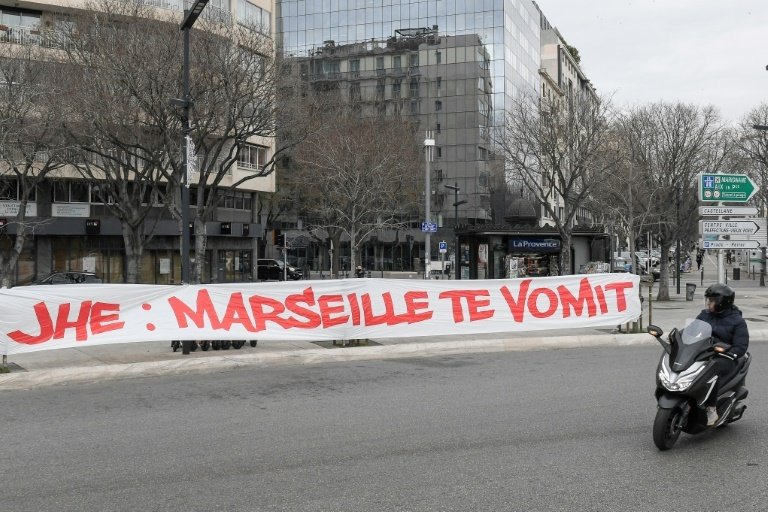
{"x":729,"y":227}
{"x":729,"y":244}
{"x":727,"y":210}
{"x":443,"y":246}
{"x":736,"y":188}
{"x":429,"y":227}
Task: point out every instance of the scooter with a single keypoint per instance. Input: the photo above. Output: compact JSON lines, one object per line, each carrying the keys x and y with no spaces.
{"x":685,"y":378}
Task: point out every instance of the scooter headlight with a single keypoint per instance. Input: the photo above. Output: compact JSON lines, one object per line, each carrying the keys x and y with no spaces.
{"x":678,"y":382}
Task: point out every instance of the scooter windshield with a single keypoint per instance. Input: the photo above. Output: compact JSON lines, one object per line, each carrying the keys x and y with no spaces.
{"x":691,"y":341}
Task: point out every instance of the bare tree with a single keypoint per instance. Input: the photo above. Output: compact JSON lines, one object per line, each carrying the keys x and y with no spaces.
{"x":624,"y":199}
{"x":356,"y":176}
{"x":31,"y":111}
{"x":120,"y":83}
{"x":235,"y":81}
{"x":556,"y":149}
{"x":131,"y":56}
{"x":752,"y":144}
{"x":670,"y":144}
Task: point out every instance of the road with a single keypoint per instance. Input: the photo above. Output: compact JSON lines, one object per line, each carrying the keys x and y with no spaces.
{"x":542,"y":430}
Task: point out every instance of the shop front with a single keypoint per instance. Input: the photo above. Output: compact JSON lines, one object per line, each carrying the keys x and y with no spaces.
{"x":505,"y":252}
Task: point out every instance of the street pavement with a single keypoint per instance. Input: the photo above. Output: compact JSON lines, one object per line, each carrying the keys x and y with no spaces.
{"x":95,"y":363}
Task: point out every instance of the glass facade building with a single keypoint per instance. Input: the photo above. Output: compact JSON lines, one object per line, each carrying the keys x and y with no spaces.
{"x":486,"y":53}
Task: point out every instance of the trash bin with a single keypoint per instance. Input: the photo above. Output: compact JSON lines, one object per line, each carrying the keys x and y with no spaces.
{"x":736,"y":273}
{"x":689,"y":289}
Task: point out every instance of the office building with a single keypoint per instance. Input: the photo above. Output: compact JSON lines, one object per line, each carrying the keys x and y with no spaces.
{"x":455,"y":66}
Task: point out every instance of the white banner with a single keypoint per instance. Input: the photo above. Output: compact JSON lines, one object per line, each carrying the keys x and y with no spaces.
{"x":49,"y":317}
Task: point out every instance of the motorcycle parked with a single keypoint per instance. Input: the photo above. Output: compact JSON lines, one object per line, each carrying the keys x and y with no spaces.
{"x":685,"y":378}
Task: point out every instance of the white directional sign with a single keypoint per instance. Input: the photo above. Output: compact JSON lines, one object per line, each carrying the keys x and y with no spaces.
{"x":729,"y":227}
{"x":727,"y":210}
{"x":729,"y":244}
{"x":429,"y":227}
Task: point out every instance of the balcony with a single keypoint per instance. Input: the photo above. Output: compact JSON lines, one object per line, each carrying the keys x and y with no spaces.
{"x":27,"y":36}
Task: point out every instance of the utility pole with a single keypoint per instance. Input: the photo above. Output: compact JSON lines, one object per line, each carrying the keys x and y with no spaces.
{"x":187,"y":153}
{"x":456,"y":204}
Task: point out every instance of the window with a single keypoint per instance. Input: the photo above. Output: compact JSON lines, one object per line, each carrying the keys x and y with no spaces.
{"x":235,"y":199}
{"x":252,"y":156}
{"x":397,"y":62}
{"x":414,"y":107}
{"x":354,"y":91}
{"x":155,"y":195}
{"x":71,"y":192}
{"x":413,"y":60}
{"x":11,"y":191}
{"x":100,"y":194}
{"x":252,"y":15}
{"x":380,"y":90}
{"x":354,"y":67}
{"x":396,"y":88}
{"x":414,"y":88}
{"x":332,"y":68}
{"x":379,"y":66}
{"x":15,"y":18}
{"x":438,"y":152}
{"x":438,"y":105}
{"x":439,"y":82}
{"x":438,"y":57}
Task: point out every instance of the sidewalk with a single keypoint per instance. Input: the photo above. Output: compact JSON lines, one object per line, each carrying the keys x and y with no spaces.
{"x":96,"y":363}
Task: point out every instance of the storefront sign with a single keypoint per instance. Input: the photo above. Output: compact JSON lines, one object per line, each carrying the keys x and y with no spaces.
{"x":70,"y":210}
{"x":11,"y":209}
{"x":534,"y":244}
{"x":36,"y":318}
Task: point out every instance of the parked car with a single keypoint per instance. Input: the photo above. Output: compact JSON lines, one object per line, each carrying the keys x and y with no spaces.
{"x":74,"y":277}
{"x":272,"y":270}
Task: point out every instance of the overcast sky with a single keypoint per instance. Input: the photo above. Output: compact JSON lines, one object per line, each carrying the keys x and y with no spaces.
{"x":697,"y":51}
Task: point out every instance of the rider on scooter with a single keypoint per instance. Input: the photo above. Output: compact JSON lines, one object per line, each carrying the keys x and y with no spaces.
{"x":728,"y":327}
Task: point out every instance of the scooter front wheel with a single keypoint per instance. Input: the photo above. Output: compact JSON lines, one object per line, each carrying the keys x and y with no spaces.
{"x":667,"y":427}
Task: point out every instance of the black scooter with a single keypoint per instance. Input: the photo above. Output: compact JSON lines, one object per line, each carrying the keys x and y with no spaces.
{"x":685,"y":378}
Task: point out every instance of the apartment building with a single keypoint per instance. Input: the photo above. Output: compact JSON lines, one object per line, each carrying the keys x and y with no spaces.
{"x":73,"y":228}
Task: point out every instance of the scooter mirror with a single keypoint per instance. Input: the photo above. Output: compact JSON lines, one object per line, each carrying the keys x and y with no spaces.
{"x":655,"y":331}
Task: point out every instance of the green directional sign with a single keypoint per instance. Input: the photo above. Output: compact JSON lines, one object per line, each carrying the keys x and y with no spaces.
{"x":734,"y":188}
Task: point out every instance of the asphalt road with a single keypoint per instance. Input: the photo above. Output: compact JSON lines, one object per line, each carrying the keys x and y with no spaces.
{"x":543,"y":430}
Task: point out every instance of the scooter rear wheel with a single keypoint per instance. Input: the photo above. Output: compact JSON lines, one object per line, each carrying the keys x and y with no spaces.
{"x":667,"y":427}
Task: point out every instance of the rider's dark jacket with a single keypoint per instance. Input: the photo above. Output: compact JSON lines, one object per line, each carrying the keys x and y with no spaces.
{"x":729,"y":327}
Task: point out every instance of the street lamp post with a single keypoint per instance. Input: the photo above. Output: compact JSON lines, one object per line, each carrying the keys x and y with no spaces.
{"x":456,"y":204}
{"x":429,"y":143}
{"x":190,"y":17}
{"x":763,"y":127}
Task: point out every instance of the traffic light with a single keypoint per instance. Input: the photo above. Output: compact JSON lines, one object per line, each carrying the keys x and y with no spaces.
{"x":280,"y":240}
